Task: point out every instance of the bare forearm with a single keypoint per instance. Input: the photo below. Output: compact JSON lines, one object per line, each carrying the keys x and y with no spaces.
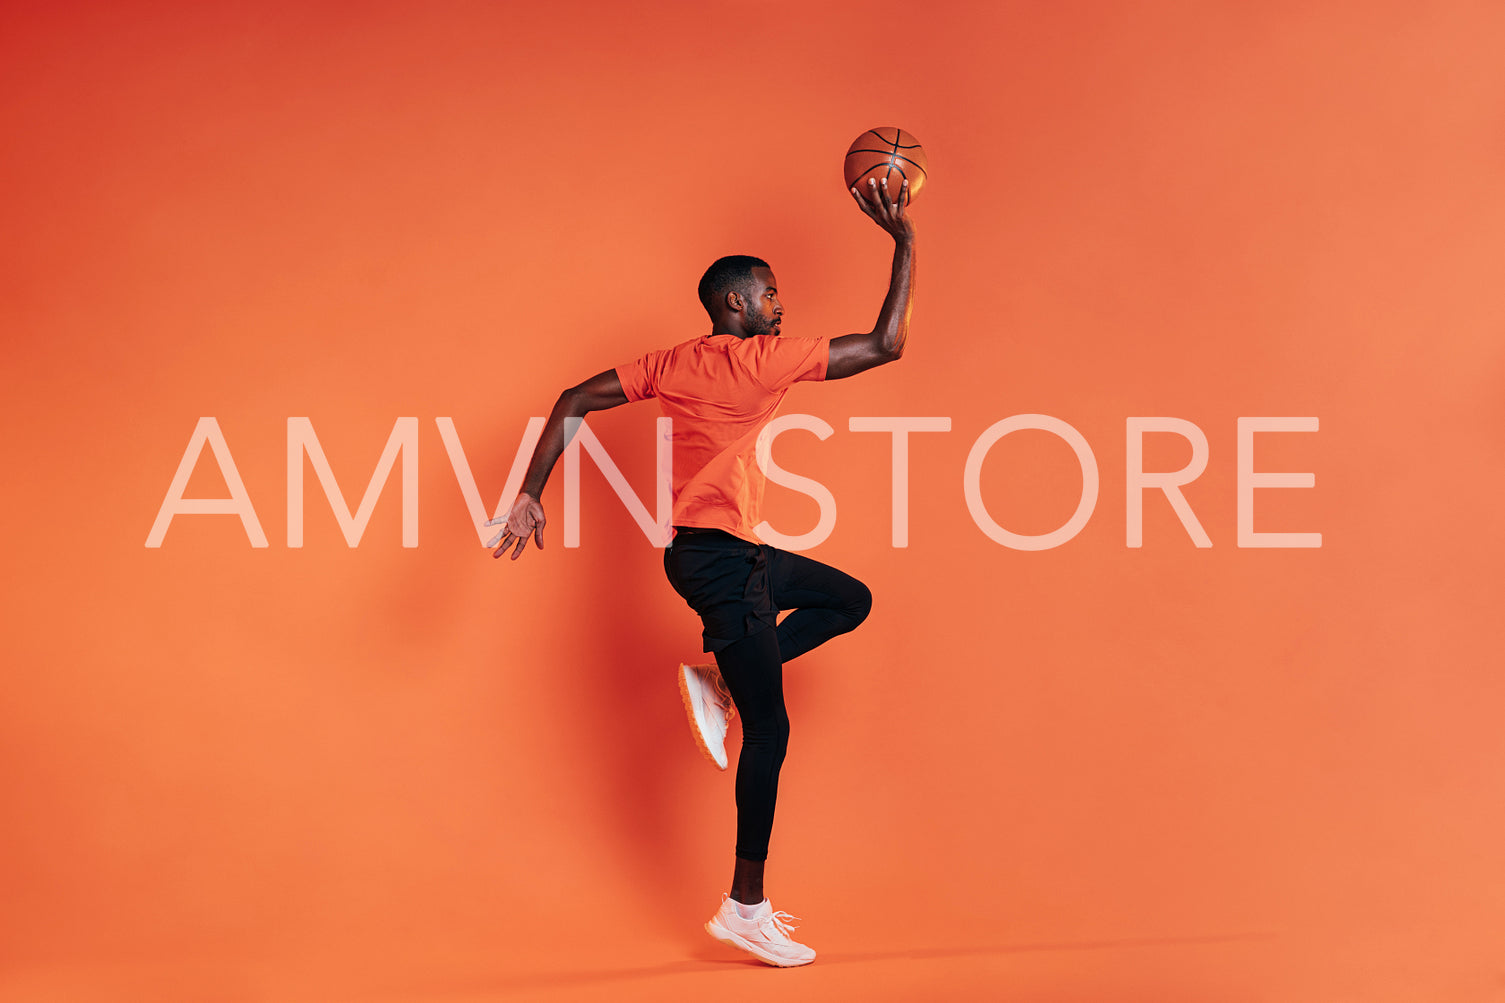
{"x":600,"y":392}
{"x":552,"y":442}
{"x":857,"y":353}
{"x":892,"y":328}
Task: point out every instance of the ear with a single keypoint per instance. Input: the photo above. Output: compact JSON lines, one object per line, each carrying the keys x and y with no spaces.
{"x":734,"y":302}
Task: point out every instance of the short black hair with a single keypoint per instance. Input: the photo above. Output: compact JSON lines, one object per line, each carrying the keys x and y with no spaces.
{"x":728,"y":274}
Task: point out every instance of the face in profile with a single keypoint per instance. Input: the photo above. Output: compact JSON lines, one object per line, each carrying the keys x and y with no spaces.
{"x":761,"y":307}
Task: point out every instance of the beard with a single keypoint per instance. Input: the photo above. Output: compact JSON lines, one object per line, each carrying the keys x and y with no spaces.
{"x":758,"y":324}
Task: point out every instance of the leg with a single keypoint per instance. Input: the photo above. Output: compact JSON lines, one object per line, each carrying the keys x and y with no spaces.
{"x":826,"y":602}
{"x":754,"y":674}
{"x":746,"y":920}
{"x":747,"y":881}
{"x":724,"y":584}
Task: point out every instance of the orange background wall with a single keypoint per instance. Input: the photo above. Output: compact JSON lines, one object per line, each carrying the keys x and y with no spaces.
{"x":1092,"y":772}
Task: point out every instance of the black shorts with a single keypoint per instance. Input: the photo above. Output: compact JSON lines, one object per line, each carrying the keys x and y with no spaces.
{"x":725,"y":580}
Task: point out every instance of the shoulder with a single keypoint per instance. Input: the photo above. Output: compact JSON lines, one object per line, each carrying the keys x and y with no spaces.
{"x":772,"y":346}
{"x":660,"y":356}
{"x":779,"y":360}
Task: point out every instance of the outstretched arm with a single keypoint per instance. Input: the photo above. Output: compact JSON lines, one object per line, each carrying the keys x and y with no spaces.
{"x":526,"y":517}
{"x":856,"y":353}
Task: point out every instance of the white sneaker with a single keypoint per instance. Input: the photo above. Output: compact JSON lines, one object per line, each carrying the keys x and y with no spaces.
{"x":709,"y":706}
{"x":765,"y":936}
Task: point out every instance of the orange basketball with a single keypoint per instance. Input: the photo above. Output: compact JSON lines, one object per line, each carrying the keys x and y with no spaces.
{"x":886,"y":152}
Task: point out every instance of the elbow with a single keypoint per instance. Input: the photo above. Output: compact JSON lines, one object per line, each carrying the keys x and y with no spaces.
{"x":885,"y":347}
{"x":572,"y":402}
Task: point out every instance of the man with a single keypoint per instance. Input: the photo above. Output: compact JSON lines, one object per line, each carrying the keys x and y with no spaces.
{"x":720,"y":390}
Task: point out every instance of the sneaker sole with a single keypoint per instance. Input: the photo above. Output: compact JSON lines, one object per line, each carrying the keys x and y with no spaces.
{"x":722,"y":935}
{"x":700,"y":742}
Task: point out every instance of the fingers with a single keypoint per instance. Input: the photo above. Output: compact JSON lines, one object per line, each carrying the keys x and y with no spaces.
{"x":894,"y":204}
{"x":509,"y":540}
{"x":862,"y":202}
{"x":500,"y":520}
{"x":881,"y":202}
{"x":503,"y":535}
{"x":516,"y":541}
{"x":506,"y":538}
{"x":524,"y":520}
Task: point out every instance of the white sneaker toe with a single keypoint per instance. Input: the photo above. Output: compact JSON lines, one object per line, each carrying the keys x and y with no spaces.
{"x":709,"y":708}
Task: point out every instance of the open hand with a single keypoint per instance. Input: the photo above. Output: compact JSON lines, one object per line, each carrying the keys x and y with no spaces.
{"x":524,"y":519}
{"x":888,"y":212}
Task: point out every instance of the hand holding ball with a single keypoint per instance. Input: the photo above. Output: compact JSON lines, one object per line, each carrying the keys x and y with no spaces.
{"x":886,"y":153}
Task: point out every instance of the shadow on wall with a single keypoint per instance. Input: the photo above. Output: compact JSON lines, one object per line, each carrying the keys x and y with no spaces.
{"x":650,"y":785}
{"x":648,"y":768}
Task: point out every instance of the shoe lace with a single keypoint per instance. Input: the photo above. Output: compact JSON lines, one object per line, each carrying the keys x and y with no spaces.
{"x":780,"y":922}
{"x":723,"y":697}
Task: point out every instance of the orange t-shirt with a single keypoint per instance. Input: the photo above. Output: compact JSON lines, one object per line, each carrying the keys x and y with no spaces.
{"x":721,"y":390}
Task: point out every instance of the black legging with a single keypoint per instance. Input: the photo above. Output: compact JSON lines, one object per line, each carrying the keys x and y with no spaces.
{"x":825,"y":602}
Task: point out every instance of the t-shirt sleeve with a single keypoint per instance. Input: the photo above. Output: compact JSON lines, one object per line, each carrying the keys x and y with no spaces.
{"x":784,"y":361}
{"x":639,"y":379}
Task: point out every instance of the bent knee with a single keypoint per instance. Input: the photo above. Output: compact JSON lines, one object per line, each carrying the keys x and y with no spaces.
{"x":859,"y":603}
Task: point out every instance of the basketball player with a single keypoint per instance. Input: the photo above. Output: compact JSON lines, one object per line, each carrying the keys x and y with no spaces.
{"x":721,"y":390}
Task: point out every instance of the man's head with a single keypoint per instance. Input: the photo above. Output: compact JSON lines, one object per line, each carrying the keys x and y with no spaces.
{"x":739,"y":293}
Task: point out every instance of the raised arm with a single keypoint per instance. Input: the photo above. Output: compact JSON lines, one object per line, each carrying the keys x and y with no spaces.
{"x":856,"y":353}
{"x":525,"y":518}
